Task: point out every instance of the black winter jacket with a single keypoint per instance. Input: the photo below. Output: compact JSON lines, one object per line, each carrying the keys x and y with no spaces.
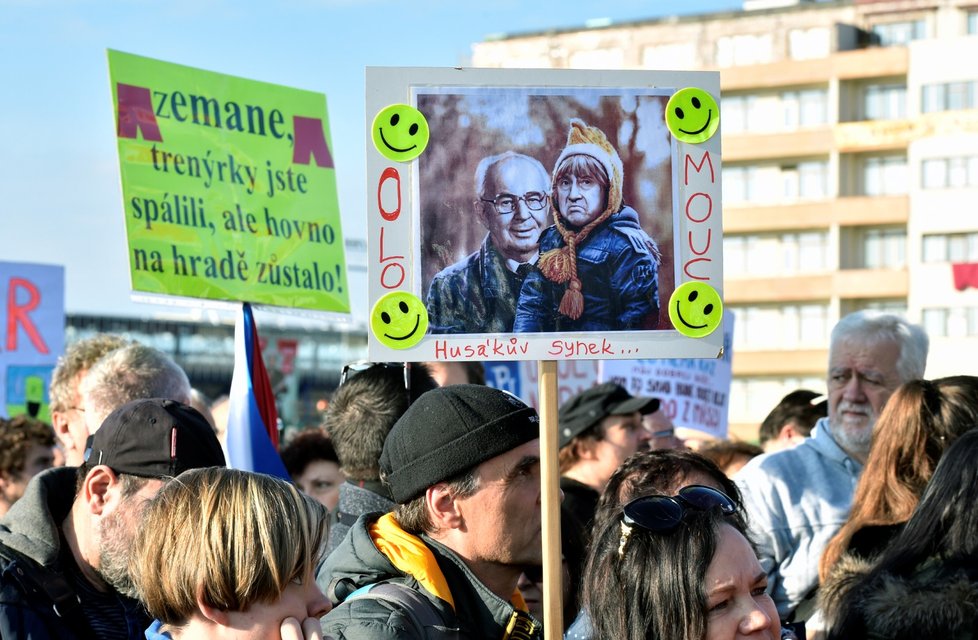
{"x":939,"y":600}
{"x":36,"y":600}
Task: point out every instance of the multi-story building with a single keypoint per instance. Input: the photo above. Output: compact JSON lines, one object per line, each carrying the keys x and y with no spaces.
{"x":850,"y":169}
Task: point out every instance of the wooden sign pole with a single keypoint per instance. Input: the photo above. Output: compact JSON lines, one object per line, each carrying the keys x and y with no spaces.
{"x":549,"y":478}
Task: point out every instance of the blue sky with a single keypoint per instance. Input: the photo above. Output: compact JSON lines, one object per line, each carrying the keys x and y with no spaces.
{"x":59,"y":172}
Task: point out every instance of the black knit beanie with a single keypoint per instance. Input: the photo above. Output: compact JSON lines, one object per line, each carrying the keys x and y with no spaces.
{"x":450,"y":430}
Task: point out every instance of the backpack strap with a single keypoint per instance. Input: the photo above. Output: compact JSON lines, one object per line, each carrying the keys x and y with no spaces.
{"x":420,"y":610}
{"x":64,"y":602}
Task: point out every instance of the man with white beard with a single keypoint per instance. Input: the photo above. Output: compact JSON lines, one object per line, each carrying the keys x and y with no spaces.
{"x":797,"y":499}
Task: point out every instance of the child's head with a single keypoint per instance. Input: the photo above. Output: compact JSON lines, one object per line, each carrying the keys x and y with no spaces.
{"x":232,"y":541}
{"x":580,"y":189}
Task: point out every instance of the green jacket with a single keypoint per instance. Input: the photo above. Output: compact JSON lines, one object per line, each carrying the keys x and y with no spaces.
{"x":477,"y":294}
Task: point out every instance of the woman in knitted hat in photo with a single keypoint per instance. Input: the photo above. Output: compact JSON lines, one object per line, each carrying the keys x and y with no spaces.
{"x":598,"y":269}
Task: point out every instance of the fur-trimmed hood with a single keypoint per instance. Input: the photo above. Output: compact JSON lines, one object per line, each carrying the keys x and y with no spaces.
{"x":938,"y":601}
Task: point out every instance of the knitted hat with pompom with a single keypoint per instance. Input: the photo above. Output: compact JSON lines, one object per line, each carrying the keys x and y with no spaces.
{"x":560,"y":265}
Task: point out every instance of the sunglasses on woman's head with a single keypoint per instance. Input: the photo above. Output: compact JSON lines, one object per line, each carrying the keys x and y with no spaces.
{"x":660,"y":514}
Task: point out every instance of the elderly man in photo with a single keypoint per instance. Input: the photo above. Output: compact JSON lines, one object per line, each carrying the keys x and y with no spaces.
{"x":463,"y":466}
{"x":478,"y":294}
{"x":797,"y":499}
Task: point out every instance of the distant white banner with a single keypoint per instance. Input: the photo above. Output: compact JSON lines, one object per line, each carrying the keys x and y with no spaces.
{"x":694,"y":393}
{"x":520,"y":379}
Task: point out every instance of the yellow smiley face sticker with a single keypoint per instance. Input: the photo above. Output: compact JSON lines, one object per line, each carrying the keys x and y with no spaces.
{"x":695,"y":309}
{"x":692,"y":115}
{"x":400,"y":132}
{"x":399,"y":320}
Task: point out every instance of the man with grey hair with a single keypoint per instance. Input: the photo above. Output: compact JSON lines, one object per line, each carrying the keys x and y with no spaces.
{"x":798,"y":499}
{"x":67,"y":416}
{"x":478,"y":294}
{"x":130,"y":373}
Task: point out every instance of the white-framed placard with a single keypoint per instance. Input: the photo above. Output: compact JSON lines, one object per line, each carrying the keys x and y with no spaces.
{"x":451,"y":242}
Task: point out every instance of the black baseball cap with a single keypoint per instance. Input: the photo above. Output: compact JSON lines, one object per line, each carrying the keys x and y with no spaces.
{"x":593,"y":405}
{"x":154,"y":438}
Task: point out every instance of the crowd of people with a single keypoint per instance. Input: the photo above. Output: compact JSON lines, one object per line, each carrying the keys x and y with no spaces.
{"x":414,"y":509}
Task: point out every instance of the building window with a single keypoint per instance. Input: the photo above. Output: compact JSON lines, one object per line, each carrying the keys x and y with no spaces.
{"x":751,"y":398}
{"x":733,"y":51}
{"x":779,"y":327}
{"x":935,"y":322}
{"x":948,"y":96}
{"x":736,"y":111}
{"x":813,"y":324}
{"x":734,"y":255}
{"x":884,"y":248}
{"x":973,"y":23}
{"x":738,"y":183}
{"x":805,"y":44}
{"x":805,"y":181}
{"x":805,"y":252}
{"x":900,"y":33}
{"x":808,"y":108}
{"x":788,"y":110}
{"x":813,"y":180}
{"x":950,"y":247}
{"x":885,"y":175}
{"x":941,"y":173}
{"x":759,"y":184}
{"x":950,"y":322}
{"x":788,"y":253}
{"x":813,"y":251}
{"x":933,"y":173}
{"x":895,"y":307}
{"x":885,"y":102}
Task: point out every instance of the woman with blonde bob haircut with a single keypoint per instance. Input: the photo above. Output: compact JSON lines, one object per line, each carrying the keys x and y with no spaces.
{"x":225,"y":553}
{"x":919,"y":422}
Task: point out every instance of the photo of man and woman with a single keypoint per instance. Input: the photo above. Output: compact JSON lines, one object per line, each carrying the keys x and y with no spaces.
{"x":546,"y":210}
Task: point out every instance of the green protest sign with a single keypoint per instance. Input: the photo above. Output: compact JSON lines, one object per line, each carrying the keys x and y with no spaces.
{"x":229,"y":187}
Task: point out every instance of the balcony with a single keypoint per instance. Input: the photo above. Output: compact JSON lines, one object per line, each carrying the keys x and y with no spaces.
{"x":846,"y":283}
{"x":879,"y":62}
{"x":799,"y":143}
{"x":871,"y":283}
{"x":850,"y":211}
{"x":889,"y":135}
{"x":782,"y":362}
{"x":785,"y":288}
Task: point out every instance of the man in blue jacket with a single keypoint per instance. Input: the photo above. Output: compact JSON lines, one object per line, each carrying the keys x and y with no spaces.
{"x":798,"y":499}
